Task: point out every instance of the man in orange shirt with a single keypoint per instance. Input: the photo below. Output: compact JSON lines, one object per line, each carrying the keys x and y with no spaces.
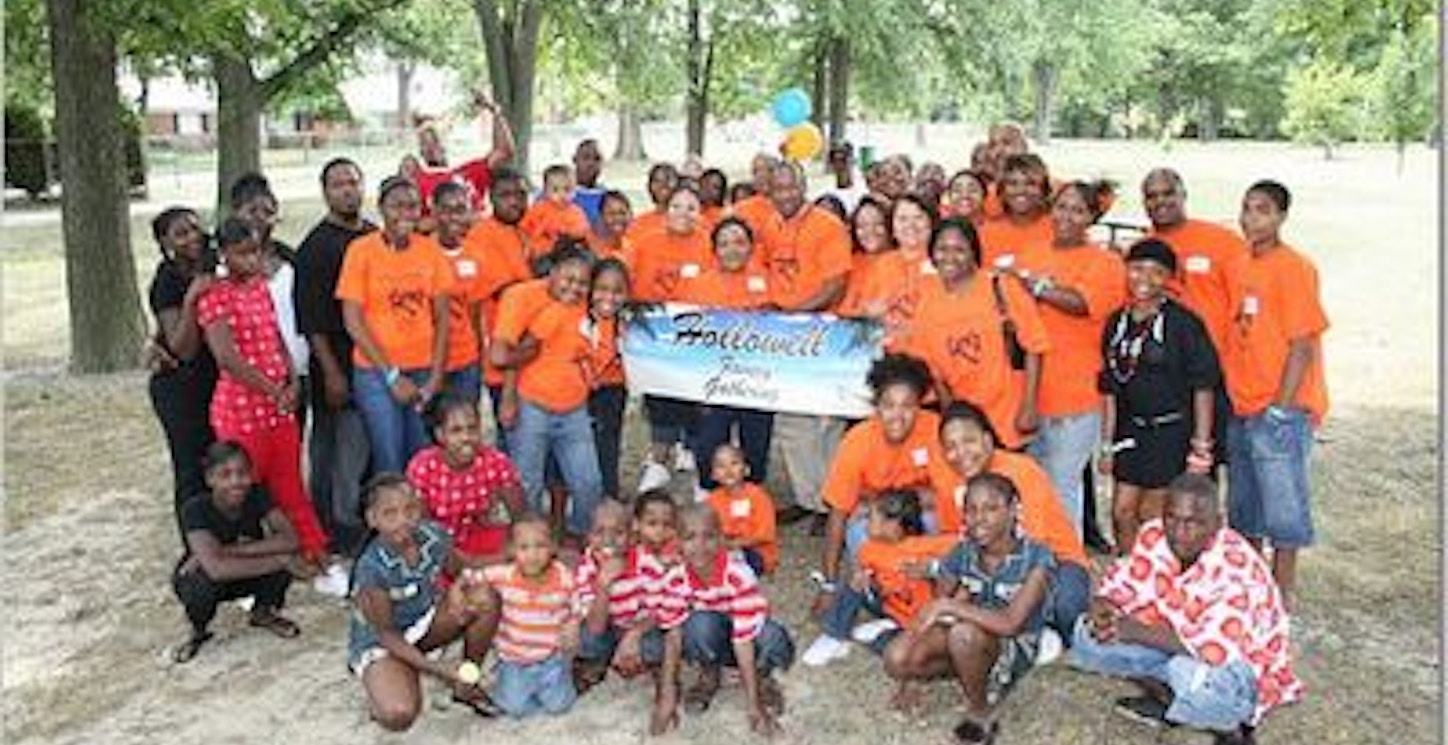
{"x":1272,"y":360}
{"x":453,"y":214}
{"x":504,"y":261}
{"x":808,"y":250}
{"x":757,"y":210}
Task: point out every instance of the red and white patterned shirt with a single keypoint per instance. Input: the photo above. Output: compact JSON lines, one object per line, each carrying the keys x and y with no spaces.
{"x":631,"y":598}
{"x":245,"y":306}
{"x":465,"y":502}
{"x":1224,"y":607}
{"x":733,"y":591}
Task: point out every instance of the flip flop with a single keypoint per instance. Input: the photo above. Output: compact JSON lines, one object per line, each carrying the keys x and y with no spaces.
{"x":971,"y":732}
{"x":482,"y":704}
{"x":279,"y":625}
{"x":187,"y":651}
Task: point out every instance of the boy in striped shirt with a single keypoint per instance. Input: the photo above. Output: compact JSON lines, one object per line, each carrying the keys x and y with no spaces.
{"x":617,"y":625}
{"x":714,"y":615}
{"x":537,"y":629}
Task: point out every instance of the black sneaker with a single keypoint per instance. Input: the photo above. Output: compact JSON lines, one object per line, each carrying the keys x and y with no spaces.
{"x":1241,"y":736}
{"x":1142,"y":710}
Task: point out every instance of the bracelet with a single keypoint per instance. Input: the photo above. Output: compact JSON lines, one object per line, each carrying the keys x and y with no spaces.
{"x":392,"y":375}
{"x":1041,"y":286}
{"x":932,"y":570}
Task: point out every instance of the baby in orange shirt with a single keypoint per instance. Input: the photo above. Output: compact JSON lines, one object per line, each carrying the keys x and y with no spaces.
{"x":555,"y":215}
{"x":746,"y":511}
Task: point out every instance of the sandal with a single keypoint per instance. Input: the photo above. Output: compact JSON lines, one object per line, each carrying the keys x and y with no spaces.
{"x":971,"y":732}
{"x":187,"y":651}
{"x":269,"y":619}
{"x":480,"y":702}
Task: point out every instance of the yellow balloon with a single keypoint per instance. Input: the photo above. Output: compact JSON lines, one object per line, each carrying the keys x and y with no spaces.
{"x":803,"y":142}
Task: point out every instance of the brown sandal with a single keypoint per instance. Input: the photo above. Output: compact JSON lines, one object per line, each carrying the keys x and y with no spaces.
{"x":281,"y":626}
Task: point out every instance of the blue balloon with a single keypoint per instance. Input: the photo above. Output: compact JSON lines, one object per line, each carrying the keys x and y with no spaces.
{"x":791,"y":108}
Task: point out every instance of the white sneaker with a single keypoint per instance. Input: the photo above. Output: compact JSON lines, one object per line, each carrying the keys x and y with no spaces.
{"x":334,"y":581}
{"x":246,"y":603}
{"x":867,"y":632}
{"x":684,"y":460}
{"x":1049,"y":649}
{"x":824,"y":650}
{"x":653,"y":476}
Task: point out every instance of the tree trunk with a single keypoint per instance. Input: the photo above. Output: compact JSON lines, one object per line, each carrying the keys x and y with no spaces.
{"x":1209,"y":119}
{"x":819,"y":83}
{"x":405,"y":71}
{"x":239,"y":101}
{"x":1045,"y":76}
{"x":106,"y":323}
{"x":630,"y":134}
{"x":696,"y":110}
{"x":511,"y":42}
{"x":839,"y":96}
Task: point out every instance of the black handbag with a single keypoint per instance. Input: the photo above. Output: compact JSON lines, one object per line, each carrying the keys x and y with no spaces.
{"x":1014,"y":349}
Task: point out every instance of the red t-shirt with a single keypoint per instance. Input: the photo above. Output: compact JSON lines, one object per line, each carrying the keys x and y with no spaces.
{"x":475,"y":174}
{"x":246,"y":307}
{"x":464,"y":501}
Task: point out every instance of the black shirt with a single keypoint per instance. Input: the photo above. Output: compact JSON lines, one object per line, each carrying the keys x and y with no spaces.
{"x":200,"y":513}
{"x":319,"y":264}
{"x":168,"y":290}
{"x":1171,"y":356}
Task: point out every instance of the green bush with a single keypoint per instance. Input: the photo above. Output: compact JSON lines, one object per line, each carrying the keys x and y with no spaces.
{"x":25,"y":145}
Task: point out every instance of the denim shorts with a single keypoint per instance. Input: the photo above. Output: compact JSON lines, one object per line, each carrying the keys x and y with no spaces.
{"x":1268,"y":495}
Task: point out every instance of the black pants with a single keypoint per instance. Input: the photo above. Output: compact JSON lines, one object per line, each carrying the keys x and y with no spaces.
{"x":200,"y":595}
{"x":716,"y":426}
{"x":338,"y":452}
{"x":182,"y":401}
{"x":606,"y":406}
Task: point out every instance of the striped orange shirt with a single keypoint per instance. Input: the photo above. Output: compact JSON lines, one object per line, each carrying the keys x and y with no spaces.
{"x":534,"y":612}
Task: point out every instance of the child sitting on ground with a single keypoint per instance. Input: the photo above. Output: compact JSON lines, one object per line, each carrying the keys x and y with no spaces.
{"x":985,"y":624}
{"x":617,"y":626}
{"x":745,"y":510}
{"x":889,"y":582}
{"x":537,"y":629}
{"x":400,"y":615}
{"x":238,"y":545}
{"x":714,"y":616}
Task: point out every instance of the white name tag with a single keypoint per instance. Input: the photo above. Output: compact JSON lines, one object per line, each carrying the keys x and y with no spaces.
{"x":927,"y":268}
{"x":467,"y":268}
{"x":689,"y":271}
{"x":739,"y":508}
{"x":1251,"y":306}
{"x":756,"y":284}
{"x":1199,"y":264}
{"x":1005,"y":261}
{"x":920,"y":456}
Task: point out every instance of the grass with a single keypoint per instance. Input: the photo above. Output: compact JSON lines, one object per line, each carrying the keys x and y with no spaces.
{"x":92,"y":538}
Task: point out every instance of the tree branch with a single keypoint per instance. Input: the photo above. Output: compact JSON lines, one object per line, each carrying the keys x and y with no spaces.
{"x":322,"y":48}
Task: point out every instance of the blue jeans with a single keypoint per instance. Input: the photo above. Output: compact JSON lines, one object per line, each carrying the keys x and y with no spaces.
{"x":394,"y":430}
{"x":1204,"y":697}
{"x":839,"y":620}
{"x":1268,"y":495}
{"x":569,"y":437}
{"x":601,"y":647}
{"x":1063,"y":447}
{"x":524,"y":690}
{"x":715,"y":427}
{"x":708,"y":642}
{"x":465,"y":382}
{"x":1067,"y":598}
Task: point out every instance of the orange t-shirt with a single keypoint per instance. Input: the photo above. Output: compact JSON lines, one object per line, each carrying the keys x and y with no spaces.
{"x":504,"y":254}
{"x":899,"y":282}
{"x":709,"y":217}
{"x":604,"y":364}
{"x":395,"y":290}
{"x":1069,"y":371}
{"x":804,"y":252}
{"x":1207,"y":256}
{"x":716,"y":288}
{"x":960,"y":338}
{"x":659,"y":260}
{"x":748,"y":515}
{"x":1275,"y":300}
{"x":462,"y":339}
{"x":1042,"y":516}
{"x":991,"y":206}
{"x":902,"y":596}
{"x":653,"y":221}
{"x":756,"y":211}
{"x":866,"y":464}
{"x":556,"y":379}
{"x":606,"y":249}
{"x":1000,"y":237}
{"x":546,"y":221}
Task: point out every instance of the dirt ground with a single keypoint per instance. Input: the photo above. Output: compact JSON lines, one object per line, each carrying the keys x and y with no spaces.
{"x":88,"y":615}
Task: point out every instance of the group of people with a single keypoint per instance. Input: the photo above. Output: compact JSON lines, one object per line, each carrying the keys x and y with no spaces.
{"x":1018,"y":354}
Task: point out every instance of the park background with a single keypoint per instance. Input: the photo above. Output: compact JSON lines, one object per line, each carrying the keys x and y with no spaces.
{"x":1336,"y":98}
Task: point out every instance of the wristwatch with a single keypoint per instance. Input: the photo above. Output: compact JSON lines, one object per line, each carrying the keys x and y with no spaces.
{"x":1041,"y":286}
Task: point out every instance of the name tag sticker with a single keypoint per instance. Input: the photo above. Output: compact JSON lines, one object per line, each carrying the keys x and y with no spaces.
{"x":467,"y":268}
{"x":1005,"y":261}
{"x":1251,"y":306}
{"x":1199,"y":264}
{"x":756,"y":284}
{"x":927,"y":268}
{"x":920,"y":456}
{"x":739,"y":508}
{"x":689,"y":271}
